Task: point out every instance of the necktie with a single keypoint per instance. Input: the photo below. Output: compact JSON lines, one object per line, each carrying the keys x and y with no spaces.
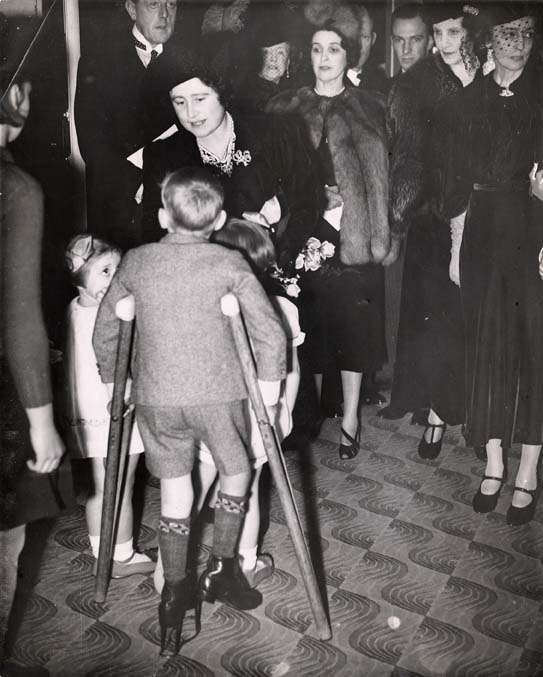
{"x":139,"y":44}
{"x":154,"y":55}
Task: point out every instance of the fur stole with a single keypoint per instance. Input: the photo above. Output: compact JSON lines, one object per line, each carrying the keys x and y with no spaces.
{"x":355,"y":125}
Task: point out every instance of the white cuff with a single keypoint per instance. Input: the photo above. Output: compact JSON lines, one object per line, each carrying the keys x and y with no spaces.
{"x":270,"y":391}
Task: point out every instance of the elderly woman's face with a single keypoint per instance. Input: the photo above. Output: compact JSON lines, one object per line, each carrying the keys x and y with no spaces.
{"x":448,"y":37}
{"x":512,"y":43}
{"x":274,"y":61}
{"x":328,"y":58}
{"x":198,"y":107}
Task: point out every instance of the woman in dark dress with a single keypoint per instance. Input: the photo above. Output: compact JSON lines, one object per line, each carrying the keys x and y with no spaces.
{"x":498,"y":133}
{"x":419,"y":110}
{"x":343,"y":294}
{"x":266,"y":165}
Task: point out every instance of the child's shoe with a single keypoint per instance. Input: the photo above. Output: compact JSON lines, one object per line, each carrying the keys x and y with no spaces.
{"x":175,"y":601}
{"x":224,"y":581}
{"x":137,"y":563}
{"x":263,"y":569}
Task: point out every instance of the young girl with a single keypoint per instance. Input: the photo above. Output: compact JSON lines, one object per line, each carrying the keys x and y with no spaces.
{"x":92,"y":262}
{"x":253,"y":241}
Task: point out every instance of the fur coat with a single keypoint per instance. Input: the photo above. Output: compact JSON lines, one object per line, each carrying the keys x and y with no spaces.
{"x":355,"y":126}
{"x":419,"y":121}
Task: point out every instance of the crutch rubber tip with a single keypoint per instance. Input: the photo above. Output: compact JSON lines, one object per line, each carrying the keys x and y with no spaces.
{"x":229,"y":305}
{"x":126,"y":308}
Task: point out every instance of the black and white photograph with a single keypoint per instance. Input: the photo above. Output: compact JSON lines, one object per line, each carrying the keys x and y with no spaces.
{"x":271,"y":338}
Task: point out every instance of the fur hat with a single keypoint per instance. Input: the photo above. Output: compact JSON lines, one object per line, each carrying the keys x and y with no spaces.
{"x":211,"y":62}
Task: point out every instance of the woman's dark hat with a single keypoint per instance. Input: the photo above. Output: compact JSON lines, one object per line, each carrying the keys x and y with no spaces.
{"x":450,"y":10}
{"x":210,"y":61}
{"x":272,"y":26}
{"x":496,"y":14}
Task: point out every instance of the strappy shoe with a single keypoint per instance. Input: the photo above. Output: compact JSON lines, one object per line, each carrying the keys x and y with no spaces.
{"x":517,"y":516}
{"x":348,"y":451}
{"x":430,"y":450}
{"x":483,"y":503}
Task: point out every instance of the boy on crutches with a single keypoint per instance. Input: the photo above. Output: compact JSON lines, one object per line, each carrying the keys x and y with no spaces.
{"x":188,"y":385}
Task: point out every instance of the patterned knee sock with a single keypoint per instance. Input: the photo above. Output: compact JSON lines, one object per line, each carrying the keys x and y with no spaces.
{"x":173,"y":540}
{"x":229,"y":514}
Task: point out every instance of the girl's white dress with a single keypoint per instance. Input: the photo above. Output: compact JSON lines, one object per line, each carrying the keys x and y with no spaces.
{"x":86,"y":415}
{"x":288,"y":314}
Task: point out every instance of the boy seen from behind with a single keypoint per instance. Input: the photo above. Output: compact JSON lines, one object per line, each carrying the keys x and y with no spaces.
{"x":188,"y":385}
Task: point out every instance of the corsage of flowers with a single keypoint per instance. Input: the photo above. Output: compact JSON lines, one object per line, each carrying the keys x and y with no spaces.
{"x":314,"y":254}
{"x":289,"y":284}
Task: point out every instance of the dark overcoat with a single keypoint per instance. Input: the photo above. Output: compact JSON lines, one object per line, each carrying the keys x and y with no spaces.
{"x":281,"y":163}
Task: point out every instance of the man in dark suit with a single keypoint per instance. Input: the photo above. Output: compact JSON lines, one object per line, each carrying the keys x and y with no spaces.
{"x":367,"y":74}
{"x":117,"y":112}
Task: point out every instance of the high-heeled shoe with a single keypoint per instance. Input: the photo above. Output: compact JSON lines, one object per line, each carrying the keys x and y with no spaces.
{"x":175,"y":601}
{"x":484,"y":503}
{"x":224,"y":581}
{"x":517,"y":516}
{"x":348,"y":451}
{"x":431,"y":450}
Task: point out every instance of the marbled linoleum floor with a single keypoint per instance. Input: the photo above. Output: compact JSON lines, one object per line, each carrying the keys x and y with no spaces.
{"x":416,"y":582}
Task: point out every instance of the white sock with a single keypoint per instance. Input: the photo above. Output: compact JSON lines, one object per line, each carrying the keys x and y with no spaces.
{"x":125,"y":551}
{"x":249,"y":558}
{"x":95,"y":545}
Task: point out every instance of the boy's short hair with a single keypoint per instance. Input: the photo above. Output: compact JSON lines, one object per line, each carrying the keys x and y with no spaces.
{"x":81,"y":252}
{"x":251,"y":240}
{"x":192,"y":197}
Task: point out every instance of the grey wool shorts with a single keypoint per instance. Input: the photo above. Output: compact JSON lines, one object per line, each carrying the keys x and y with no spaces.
{"x":171,"y":436}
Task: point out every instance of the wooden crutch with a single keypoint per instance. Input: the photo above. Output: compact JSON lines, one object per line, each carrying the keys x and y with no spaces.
{"x":120,"y":428}
{"x":230,"y":307}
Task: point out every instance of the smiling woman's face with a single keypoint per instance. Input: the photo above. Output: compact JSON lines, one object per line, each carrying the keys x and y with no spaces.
{"x":198,"y":107}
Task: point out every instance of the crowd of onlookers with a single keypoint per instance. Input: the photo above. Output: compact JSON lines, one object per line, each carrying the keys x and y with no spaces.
{"x":263,"y":151}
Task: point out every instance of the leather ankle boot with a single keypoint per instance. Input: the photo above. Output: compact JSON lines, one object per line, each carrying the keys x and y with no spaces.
{"x":176,"y":600}
{"x":224,"y":581}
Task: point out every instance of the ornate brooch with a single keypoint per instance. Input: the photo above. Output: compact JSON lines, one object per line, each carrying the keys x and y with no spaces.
{"x":242,"y":157}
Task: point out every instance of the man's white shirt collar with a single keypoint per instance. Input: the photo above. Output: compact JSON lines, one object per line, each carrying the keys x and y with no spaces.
{"x":145,"y":54}
{"x":354,"y":76}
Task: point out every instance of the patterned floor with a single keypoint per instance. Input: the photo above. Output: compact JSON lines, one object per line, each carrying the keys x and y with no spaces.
{"x":417,"y":584}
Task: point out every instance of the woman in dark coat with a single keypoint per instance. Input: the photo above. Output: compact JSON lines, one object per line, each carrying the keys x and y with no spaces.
{"x":431,"y":331}
{"x":497,"y":140}
{"x":29,"y":439}
{"x":265,"y":164}
{"x":343,"y":295}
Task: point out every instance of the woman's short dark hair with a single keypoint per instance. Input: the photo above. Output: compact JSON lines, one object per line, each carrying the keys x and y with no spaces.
{"x":350,"y":45}
{"x":344,"y":23}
